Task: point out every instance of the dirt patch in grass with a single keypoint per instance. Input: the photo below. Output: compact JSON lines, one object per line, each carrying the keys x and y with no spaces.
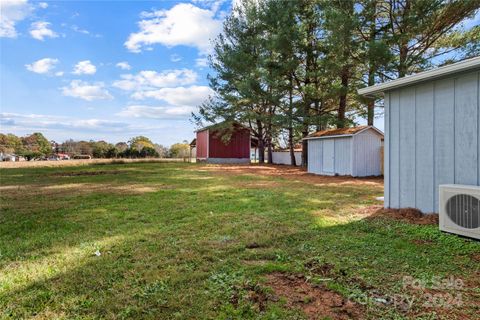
{"x":409,"y":215}
{"x":252,"y":293}
{"x":69,"y":189}
{"x":254,"y":245}
{"x":86,"y":173}
{"x":290,"y":172}
{"x":476,"y":257}
{"x":316,"y":301}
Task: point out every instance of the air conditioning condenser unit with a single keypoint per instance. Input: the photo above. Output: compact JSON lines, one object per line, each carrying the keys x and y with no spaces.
{"x":459,"y":210}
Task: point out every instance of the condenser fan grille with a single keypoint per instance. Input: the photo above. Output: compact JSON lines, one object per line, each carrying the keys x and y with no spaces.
{"x":464,"y":210}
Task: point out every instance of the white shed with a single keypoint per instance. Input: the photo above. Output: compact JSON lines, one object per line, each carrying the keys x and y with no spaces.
{"x":348,"y":151}
{"x":432,"y":133}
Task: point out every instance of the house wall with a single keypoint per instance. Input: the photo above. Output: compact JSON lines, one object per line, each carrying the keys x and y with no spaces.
{"x":366,"y":158}
{"x":202,"y":144}
{"x":237,"y":148}
{"x":432,"y":137}
{"x":283,"y":157}
{"x":341,"y":154}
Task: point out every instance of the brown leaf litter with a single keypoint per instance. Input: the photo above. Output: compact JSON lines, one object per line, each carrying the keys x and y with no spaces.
{"x":409,"y":215}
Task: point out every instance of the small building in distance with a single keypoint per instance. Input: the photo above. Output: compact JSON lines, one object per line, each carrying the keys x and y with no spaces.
{"x":282,"y":156}
{"x":353,"y":151}
{"x":223,"y":143}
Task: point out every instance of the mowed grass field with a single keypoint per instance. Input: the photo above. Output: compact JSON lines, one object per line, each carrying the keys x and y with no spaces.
{"x":191,"y":241}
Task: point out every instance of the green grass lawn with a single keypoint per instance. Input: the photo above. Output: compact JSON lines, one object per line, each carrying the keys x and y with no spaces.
{"x":185,"y":241}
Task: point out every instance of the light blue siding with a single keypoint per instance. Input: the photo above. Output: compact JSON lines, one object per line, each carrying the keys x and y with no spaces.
{"x":329,"y":156}
{"x":407,"y":146}
{"x":315,"y":155}
{"x":394,"y":149}
{"x":424,"y":166}
{"x":444,"y":137}
{"x":466,"y":129}
{"x":432,"y":138}
{"x":328,"y":160}
{"x":366,"y":155}
{"x":343,"y":156}
{"x":386,"y":153}
{"x":357,"y":155}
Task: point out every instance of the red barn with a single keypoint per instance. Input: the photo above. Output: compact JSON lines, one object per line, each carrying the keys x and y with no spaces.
{"x":220,"y":143}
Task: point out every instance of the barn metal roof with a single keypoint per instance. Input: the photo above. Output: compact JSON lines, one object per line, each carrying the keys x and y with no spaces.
{"x":465,"y":65}
{"x":341,"y":132}
{"x":224,"y":125}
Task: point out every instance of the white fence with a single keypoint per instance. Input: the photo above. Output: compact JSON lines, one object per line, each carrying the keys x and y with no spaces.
{"x":283,"y":157}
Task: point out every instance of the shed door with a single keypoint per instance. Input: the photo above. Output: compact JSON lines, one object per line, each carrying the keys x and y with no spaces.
{"x":328,"y":155}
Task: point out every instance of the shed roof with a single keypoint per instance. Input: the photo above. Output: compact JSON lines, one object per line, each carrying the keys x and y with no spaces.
{"x":465,"y":65}
{"x":343,"y":132}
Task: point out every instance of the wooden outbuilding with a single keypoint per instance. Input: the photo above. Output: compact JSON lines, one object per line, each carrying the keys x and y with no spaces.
{"x":432,"y":133}
{"x":347,"y":151}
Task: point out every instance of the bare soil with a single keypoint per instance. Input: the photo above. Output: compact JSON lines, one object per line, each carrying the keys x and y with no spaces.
{"x":316,"y":301}
{"x":290,"y":172}
{"x":409,"y":215}
{"x":86,"y":173}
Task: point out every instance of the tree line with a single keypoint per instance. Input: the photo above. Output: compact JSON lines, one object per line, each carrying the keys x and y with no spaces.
{"x":288,"y":68}
{"x":37,"y":146}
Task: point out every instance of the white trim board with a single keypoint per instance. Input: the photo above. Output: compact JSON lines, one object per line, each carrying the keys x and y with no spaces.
{"x":465,"y":65}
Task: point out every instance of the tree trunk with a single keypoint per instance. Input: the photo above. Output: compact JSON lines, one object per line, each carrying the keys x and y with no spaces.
{"x":269,"y":151}
{"x":293,"y":161}
{"x":261,"y":145}
{"x":403,"y":56}
{"x":291,"y":146}
{"x":269,"y":143}
{"x":304,"y":153}
{"x":342,"y":106}
{"x":371,"y":68}
{"x":402,"y":66}
{"x":371,"y":103}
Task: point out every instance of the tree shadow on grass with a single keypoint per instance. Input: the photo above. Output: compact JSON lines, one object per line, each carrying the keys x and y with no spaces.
{"x":165,"y":246}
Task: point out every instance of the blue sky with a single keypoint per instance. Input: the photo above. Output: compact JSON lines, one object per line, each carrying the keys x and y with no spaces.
{"x":107,"y":70}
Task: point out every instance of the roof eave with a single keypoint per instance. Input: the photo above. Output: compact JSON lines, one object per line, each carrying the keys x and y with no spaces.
{"x":466,"y":65}
{"x":327,"y":137}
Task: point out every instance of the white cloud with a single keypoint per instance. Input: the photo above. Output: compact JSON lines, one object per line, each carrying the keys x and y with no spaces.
{"x":11,"y":12}
{"x":59,"y":73}
{"x":184,"y":24}
{"x":42,"y":66}
{"x":123,"y":65}
{"x":179,"y":96}
{"x":148,"y":80}
{"x":43,"y":5}
{"x":201,"y":62}
{"x":86,"y":91}
{"x":175,"y":58}
{"x":41,"y":29}
{"x":79,"y":30}
{"x":42,"y":122}
{"x":142,"y":111}
{"x":84,"y":67}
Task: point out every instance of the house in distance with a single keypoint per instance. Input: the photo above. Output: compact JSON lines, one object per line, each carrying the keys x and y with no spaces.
{"x":223,"y":143}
